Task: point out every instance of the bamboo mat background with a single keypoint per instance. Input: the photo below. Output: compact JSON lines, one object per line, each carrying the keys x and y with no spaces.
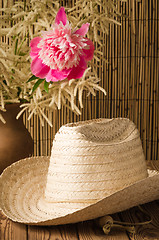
{"x":130,"y":76}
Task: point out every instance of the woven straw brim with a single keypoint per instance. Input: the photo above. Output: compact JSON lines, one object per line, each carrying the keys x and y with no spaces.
{"x":22,"y":189}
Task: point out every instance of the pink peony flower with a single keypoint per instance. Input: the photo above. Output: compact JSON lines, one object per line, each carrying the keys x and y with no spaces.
{"x":61,"y":53}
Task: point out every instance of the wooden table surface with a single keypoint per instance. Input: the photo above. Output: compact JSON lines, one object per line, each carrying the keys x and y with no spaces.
{"x":88,"y":230}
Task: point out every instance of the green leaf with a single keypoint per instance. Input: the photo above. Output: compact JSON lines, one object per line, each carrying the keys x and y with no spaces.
{"x":22,"y":54}
{"x":13,"y":70}
{"x":46,"y":86}
{"x":16,"y":45}
{"x":19,"y":91}
{"x":21,"y":45}
{"x":32,"y":78}
{"x":14,"y":37}
{"x":36,"y":85}
{"x":24,"y":5}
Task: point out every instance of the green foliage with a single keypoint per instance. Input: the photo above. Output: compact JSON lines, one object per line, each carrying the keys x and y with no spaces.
{"x":36,"y":85}
{"x":32,"y":78}
{"x":46,"y":86}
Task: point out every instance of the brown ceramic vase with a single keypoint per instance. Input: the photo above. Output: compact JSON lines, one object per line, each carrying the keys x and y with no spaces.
{"x":15,"y":140}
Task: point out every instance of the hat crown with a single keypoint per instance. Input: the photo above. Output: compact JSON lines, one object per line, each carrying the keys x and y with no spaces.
{"x":93,"y":159}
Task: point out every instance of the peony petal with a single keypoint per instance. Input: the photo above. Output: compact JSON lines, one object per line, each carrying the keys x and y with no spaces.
{"x":33,"y":55}
{"x":56,"y":75}
{"x":50,"y":77}
{"x":77,"y":72}
{"x":34,"y":49}
{"x":61,"y":16}
{"x":82,"y":30}
{"x":33,"y":44}
{"x":89,"y":52}
{"x":38,"y":68}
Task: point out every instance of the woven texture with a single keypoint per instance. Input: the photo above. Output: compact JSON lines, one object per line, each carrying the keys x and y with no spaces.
{"x":93,"y":159}
{"x":96,"y":167}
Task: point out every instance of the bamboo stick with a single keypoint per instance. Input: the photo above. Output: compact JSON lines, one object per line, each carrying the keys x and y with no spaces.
{"x":124,"y":53}
{"x":145,"y":67}
{"x":128,"y":50}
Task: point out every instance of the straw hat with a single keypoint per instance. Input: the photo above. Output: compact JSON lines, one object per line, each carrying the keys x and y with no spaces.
{"x":96,"y":168}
